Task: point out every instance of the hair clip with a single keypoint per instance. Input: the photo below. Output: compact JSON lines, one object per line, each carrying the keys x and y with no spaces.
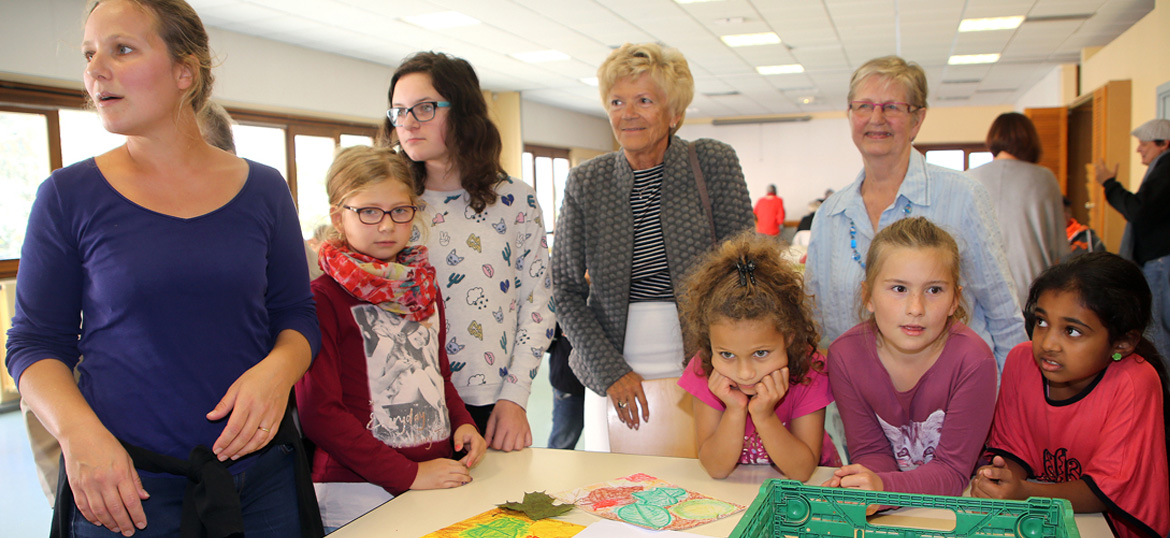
{"x":746,"y":270}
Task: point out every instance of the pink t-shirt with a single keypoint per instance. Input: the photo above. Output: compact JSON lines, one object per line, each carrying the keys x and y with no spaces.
{"x":801,"y":400}
{"x":1112,"y":435}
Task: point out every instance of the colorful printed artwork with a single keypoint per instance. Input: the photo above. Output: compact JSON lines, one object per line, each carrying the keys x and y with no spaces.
{"x":501,"y":523}
{"x":646,"y":501}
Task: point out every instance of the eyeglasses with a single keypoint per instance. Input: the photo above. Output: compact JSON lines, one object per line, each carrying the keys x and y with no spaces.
{"x":424,"y":111}
{"x":890,"y":108}
{"x":374,"y":215}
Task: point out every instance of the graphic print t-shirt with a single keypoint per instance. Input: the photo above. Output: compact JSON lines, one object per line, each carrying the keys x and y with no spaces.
{"x":1112,"y":436}
{"x":407,"y":406}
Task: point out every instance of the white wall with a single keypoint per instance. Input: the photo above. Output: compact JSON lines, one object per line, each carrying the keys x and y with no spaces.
{"x":551,"y":126}
{"x":801,"y":158}
{"x":1046,"y":93}
{"x":40,"y":41}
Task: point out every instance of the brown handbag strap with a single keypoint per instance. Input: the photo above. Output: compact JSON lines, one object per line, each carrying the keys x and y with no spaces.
{"x":701,"y":184}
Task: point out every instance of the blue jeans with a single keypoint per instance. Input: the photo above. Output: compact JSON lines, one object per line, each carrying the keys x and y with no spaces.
{"x":1157,"y":273}
{"x":568,"y":420}
{"x":267,"y":497}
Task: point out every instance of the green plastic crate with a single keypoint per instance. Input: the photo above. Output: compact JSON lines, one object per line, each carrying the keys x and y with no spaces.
{"x":788,"y":508}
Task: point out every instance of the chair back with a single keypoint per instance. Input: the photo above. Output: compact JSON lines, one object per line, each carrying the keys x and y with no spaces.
{"x":670,"y":430}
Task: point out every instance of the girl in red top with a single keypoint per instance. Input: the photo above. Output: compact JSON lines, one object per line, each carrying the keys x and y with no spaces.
{"x":378,"y":402}
{"x":1081,"y":412}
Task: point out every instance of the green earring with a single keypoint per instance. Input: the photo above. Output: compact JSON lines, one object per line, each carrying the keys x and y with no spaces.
{"x":1116,"y":357}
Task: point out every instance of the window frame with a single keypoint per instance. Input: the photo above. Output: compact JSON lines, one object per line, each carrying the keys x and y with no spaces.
{"x":551,"y":213}
{"x":47,"y":100}
{"x":967,"y":149}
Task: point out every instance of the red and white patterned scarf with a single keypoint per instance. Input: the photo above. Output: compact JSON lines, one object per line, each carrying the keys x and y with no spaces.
{"x":405,"y":287}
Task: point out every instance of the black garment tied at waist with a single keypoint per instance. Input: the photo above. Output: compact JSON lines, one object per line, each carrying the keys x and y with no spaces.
{"x":211,"y":506}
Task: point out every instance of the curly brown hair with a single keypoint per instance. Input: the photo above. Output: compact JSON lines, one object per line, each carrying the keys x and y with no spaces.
{"x":774,"y":291}
{"x":473,"y":141}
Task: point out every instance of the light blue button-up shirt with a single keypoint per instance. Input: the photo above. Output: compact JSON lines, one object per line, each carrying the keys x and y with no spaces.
{"x":950,"y":199}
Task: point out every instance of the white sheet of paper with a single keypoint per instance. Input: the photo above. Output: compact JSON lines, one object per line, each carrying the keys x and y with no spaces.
{"x":608,"y":528}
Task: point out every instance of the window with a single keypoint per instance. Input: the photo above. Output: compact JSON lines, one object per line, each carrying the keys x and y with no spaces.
{"x":546,"y":169}
{"x":82,"y":136}
{"x":956,"y":156}
{"x":24,"y":162}
{"x":44,"y":128}
{"x":314,"y":155}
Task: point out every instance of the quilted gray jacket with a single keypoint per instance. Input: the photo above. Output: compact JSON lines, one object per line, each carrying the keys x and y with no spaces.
{"x":595,"y":232}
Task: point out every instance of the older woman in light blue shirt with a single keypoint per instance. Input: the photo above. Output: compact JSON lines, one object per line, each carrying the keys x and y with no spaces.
{"x":887,"y":105}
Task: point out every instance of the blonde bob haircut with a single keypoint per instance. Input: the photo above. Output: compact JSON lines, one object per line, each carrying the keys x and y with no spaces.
{"x":893,"y":69}
{"x":358,"y":167}
{"x":915,"y":233}
{"x":667,"y":68}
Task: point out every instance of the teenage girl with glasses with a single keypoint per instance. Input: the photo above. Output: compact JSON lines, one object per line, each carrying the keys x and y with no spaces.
{"x":487,"y":233}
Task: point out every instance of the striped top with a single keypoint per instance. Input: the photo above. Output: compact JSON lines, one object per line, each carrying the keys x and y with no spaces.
{"x":650,"y":275}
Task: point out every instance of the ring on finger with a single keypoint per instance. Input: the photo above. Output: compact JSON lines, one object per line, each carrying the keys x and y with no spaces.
{"x":265,"y":430}
{"x":621,"y":405}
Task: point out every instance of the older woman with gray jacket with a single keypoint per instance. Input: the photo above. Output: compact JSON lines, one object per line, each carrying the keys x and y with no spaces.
{"x":636,"y":220}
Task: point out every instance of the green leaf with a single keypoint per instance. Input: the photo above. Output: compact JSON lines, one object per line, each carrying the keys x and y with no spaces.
{"x":537,"y":505}
{"x":644,"y":515}
{"x":661,"y":496}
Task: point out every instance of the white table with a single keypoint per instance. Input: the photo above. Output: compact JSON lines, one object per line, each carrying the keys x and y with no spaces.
{"x":503,"y":477}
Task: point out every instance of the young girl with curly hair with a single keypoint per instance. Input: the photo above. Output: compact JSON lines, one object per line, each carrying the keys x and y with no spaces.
{"x":757,"y":374}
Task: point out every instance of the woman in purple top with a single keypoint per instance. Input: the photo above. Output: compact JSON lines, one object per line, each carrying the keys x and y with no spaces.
{"x":915,"y":387}
{"x":176,"y":269}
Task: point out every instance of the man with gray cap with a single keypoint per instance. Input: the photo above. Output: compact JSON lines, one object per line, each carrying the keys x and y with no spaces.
{"x":1147,"y":233}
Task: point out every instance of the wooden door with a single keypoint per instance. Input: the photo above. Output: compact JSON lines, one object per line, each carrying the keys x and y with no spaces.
{"x":1052,"y":126}
{"x":1110,"y":142}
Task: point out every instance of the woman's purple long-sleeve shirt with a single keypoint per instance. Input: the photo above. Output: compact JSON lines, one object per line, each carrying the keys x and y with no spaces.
{"x":926,"y":439}
{"x":168,"y":312}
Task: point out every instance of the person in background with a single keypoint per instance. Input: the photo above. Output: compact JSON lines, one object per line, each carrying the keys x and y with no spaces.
{"x":914,"y":385}
{"x":1081,"y":238}
{"x":378,"y":402}
{"x":1027,"y":200}
{"x":758,"y":382}
{"x":1147,"y":230}
{"x":807,"y":220}
{"x":887,"y":106}
{"x":487,"y":232}
{"x":1082,"y":410}
{"x":769,"y":213}
{"x":637,"y":220}
{"x":568,"y":415}
{"x":191,"y":343}
{"x":216,"y":127}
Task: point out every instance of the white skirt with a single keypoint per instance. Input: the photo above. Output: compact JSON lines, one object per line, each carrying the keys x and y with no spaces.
{"x":653,"y":349}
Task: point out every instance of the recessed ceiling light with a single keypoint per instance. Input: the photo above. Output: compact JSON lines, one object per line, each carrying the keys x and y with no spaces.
{"x":968,"y":59}
{"x":990,"y":23}
{"x":540,"y":56}
{"x":786,"y":69}
{"x":441,"y":20}
{"x":808,"y":100}
{"x":591,"y":81}
{"x":748,"y":40}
